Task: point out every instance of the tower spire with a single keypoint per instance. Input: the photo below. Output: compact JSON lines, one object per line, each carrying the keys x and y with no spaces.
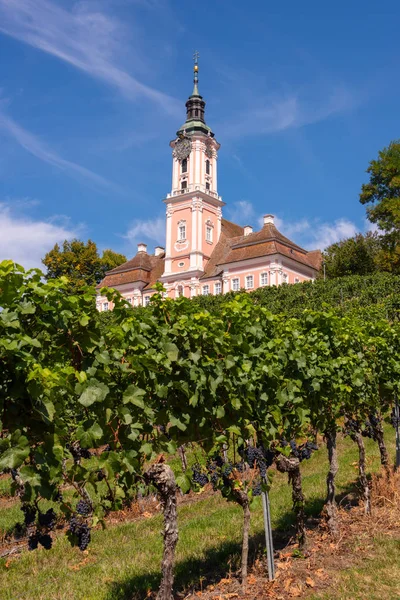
{"x":196,"y":74}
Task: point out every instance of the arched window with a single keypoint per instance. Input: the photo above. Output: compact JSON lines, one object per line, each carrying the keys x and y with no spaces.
{"x":184,"y":165}
{"x":207,"y":166}
{"x":196,"y":113}
{"x":179,"y":291}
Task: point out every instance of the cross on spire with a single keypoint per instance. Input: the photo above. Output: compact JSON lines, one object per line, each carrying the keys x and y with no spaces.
{"x":196,"y":57}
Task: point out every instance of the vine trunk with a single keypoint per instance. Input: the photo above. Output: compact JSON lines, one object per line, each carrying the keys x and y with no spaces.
{"x":366,"y":492}
{"x":330,"y":505}
{"x":162,"y":476}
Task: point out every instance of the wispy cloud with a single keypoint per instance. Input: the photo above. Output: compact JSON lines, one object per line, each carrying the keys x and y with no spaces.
{"x":82,"y":36}
{"x":25,"y":240}
{"x":241,"y":212}
{"x":308,"y":233}
{"x":38,"y":148}
{"x":314,"y":233}
{"x":151,"y":230}
{"x":294,"y":110}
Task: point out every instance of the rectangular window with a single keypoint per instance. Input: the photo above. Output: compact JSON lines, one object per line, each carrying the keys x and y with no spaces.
{"x":206,"y":290}
{"x":249,"y":282}
{"x":284,"y":277}
{"x":184,"y":184}
{"x":264,"y":279}
{"x":235,"y":284}
{"x":146,"y":300}
{"x":207,"y":186}
{"x":296,"y":280}
{"x":129,"y":300}
{"x":105,"y":305}
{"x":182,"y":232}
{"x":184,"y":165}
{"x":209,"y":233}
{"x":217,"y":288}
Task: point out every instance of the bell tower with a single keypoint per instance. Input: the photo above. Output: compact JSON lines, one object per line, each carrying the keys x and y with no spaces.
{"x":193,"y":205}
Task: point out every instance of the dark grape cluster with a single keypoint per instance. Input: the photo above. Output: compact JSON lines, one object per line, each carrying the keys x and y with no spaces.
{"x":83,"y":508}
{"x":100,"y":475}
{"x":395,"y":417}
{"x":58,"y":497}
{"x":199,"y":476}
{"x":241,"y":467}
{"x":29,"y":511}
{"x":37,"y":538}
{"x":257,"y":489}
{"x":81,"y":531}
{"x":48,"y":519}
{"x":260,"y":457}
{"x":77,"y":452}
{"x":370,"y":425}
{"x":302,"y":452}
{"x":351,"y":428}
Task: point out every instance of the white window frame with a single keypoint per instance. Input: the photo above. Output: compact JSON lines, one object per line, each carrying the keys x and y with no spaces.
{"x":263,"y":284}
{"x":217,"y":288}
{"x":209,"y":233}
{"x":105,"y":306}
{"x":181,"y":231}
{"x":178,"y":289}
{"x":296,"y":280}
{"x":233,"y":284}
{"x":285,"y":278}
{"x":146,"y":300}
{"x":129,"y":300}
{"x":205,"y":290}
{"x":249,"y":287}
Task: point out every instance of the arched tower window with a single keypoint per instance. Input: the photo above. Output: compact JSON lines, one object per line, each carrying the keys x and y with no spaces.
{"x":207,"y":166}
{"x":184,"y":165}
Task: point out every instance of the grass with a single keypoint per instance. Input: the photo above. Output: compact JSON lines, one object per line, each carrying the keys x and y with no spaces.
{"x":377,"y":578}
{"x":124,"y":560}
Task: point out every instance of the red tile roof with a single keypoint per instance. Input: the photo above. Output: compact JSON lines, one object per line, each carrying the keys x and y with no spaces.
{"x":233,"y":246}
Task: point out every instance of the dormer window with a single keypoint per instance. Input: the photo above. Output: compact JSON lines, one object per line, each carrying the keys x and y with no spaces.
{"x":184,"y":165}
{"x":207,"y":167}
{"x":182,"y":230}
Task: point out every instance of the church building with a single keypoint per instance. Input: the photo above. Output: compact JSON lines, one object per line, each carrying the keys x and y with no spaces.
{"x":205,"y":253}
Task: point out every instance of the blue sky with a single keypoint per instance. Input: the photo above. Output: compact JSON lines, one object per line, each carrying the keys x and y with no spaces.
{"x":301,"y":97}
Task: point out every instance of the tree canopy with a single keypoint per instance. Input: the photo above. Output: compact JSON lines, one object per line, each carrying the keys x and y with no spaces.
{"x":382,"y":195}
{"x":353,"y":256}
{"x":80,"y":262}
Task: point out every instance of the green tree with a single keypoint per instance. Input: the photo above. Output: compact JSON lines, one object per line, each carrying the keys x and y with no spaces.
{"x":382,"y":194}
{"x":354,"y":256}
{"x":80,"y":262}
{"x":111,"y":259}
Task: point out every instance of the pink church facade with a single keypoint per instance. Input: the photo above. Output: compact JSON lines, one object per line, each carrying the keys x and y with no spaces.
{"x":204,"y":253}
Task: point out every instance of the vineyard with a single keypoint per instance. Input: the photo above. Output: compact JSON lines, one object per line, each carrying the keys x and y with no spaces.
{"x":232,"y":388}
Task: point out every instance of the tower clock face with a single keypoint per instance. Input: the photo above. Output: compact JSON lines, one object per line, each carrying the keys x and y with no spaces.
{"x":209,"y":148}
{"x":182,"y":148}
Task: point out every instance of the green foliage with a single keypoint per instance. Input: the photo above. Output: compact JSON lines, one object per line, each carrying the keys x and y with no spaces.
{"x":382,"y":194}
{"x":80,"y":263}
{"x":149,"y":381}
{"x":353,"y":256}
{"x":378,"y":293}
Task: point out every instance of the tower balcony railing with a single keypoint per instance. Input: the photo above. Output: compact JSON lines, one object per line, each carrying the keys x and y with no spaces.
{"x":193,"y":188}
